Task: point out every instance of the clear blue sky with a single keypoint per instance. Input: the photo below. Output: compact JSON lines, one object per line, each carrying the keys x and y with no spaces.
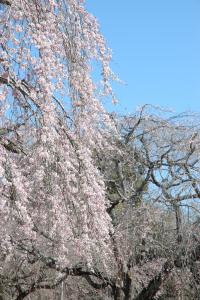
{"x":156,"y":50}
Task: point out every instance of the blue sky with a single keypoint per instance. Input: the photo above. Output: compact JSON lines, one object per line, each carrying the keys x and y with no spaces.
{"x":156,"y":51}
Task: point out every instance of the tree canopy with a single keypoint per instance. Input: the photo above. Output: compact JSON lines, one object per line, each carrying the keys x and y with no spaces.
{"x":93,"y":205}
